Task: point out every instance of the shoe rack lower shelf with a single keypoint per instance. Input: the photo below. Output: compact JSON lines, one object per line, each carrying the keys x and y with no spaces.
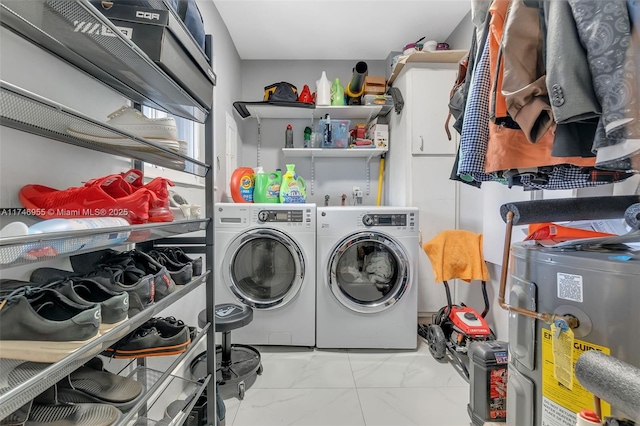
{"x":158,"y":386}
{"x":21,"y":381}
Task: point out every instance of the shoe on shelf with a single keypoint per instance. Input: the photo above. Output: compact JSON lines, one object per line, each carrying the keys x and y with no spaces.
{"x":181,"y":207}
{"x":73,"y":414}
{"x":165,"y":324}
{"x":181,"y":273}
{"x":91,"y":201}
{"x":135,"y":282}
{"x":42,"y":325}
{"x":18,"y":417}
{"x":87,"y":292}
{"x":161,"y":131}
{"x":136,"y":260}
{"x":92,"y":383}
{"x":178,"y":256}
{"x":130,"y":182}
{"x":163,"y":339}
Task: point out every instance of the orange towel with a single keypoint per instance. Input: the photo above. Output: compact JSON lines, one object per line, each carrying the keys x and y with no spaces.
{"x":457,"y":254}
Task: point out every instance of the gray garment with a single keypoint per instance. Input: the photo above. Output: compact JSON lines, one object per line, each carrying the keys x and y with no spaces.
{"x":604,"y":29}
{"x":480,"y":18}
{"x":474,"y":57}
{"x":568,"y":77}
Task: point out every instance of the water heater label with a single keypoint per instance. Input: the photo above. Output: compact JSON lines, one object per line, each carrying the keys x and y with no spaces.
{"x":561,"y":404}
{"x":570,"y":287}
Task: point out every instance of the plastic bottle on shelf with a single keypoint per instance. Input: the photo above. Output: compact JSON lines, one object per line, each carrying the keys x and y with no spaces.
{"x":337,"y":93}
{"x":323,"y":91}
{"x":288,"y":137}
{"x":307,"y":137}
{"x":327,"y":141}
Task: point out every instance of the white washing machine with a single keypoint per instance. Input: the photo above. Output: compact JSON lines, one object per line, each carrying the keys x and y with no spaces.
{"x":265,"y":256}
{"x":367,"y":267}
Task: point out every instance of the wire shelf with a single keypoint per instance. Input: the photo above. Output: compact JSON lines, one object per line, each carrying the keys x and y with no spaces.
{"x":34,"y":248}
{"x":26,"y":111}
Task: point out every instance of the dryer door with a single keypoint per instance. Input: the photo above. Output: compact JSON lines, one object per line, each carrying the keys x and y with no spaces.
{"x":264,"y":268}
{"x":368,"y":272}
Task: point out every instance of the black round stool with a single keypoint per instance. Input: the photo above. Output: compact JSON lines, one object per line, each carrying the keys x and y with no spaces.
{"x":237,"y":366}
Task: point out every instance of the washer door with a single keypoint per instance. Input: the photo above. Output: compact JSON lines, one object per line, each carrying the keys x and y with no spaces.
{"x":264,"y":268}
{"x":368,"y":272}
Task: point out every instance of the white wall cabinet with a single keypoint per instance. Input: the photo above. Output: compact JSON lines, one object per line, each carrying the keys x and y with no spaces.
{"x":427,"y":96}
{"x":420,"y":161}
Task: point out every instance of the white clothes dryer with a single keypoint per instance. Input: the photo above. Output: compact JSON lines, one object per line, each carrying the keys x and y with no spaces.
{"x":367,"y":266}
{"x":265,"y":257}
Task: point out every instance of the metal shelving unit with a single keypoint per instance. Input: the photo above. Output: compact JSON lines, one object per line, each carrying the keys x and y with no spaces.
{"x":79,"y":34}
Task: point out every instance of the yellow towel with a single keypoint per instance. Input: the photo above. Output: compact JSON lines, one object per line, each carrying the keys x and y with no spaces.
{"x":457,"y":254}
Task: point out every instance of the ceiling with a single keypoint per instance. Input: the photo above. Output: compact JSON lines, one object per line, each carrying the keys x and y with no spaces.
{"x":334,"y":30}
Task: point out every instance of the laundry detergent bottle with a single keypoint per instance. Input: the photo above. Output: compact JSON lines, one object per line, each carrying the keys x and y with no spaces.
{"x":267,"y":187}
{"x":293,"y":188}
{"x":242,"y":185}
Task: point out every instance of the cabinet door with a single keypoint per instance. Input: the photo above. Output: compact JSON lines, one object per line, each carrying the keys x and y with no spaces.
{"x":429,"y":96}
{"x":435,"y":195}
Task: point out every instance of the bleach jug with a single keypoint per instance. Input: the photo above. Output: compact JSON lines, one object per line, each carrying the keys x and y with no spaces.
{"x":242,"y":184}
{"x":293,"y":188}
{"x":267,"y":188}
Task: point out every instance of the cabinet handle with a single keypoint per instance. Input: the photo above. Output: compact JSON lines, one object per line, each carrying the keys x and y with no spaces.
{"x":421,"y":144}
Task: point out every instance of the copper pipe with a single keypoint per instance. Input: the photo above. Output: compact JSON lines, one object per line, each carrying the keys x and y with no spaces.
{"x":548,"y":318}
{"x":597,"y":405}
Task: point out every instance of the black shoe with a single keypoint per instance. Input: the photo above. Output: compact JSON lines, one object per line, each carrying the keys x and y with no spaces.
{"x":181,"y":273}
{"x":42,"y":325}
{"x":87,"y":292}
{"x":92,"y":383}
{"x":117,"y":278}
{"x":154,"y":338}
{"x":135,"y":259}
{"x":161,"y":323}
{"x":177,"y":255}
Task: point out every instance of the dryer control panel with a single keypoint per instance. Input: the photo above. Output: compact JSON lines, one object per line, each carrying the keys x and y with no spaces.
{"x":386,"y":220}
{"x":281,"y":216}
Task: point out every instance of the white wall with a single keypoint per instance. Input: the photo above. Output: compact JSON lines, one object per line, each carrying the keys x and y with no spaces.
{"x":460,"y":37}
{"x":333,"y":176}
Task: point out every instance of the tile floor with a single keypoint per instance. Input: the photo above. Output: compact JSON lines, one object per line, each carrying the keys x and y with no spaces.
{"x":305,"y":387}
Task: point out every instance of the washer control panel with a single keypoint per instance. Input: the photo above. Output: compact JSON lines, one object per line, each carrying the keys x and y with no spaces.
{"x":281,"y":216}
{"x":385,"y":220}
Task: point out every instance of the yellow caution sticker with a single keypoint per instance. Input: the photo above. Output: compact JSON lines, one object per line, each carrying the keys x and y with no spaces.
{"x":562,"y":346}
{"x":558,"y":396}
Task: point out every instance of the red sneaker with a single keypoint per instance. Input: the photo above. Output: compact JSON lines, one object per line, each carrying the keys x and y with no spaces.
{"x":159,"y":210}
{"x":86,"y":201}
{"x":130,"y":182}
